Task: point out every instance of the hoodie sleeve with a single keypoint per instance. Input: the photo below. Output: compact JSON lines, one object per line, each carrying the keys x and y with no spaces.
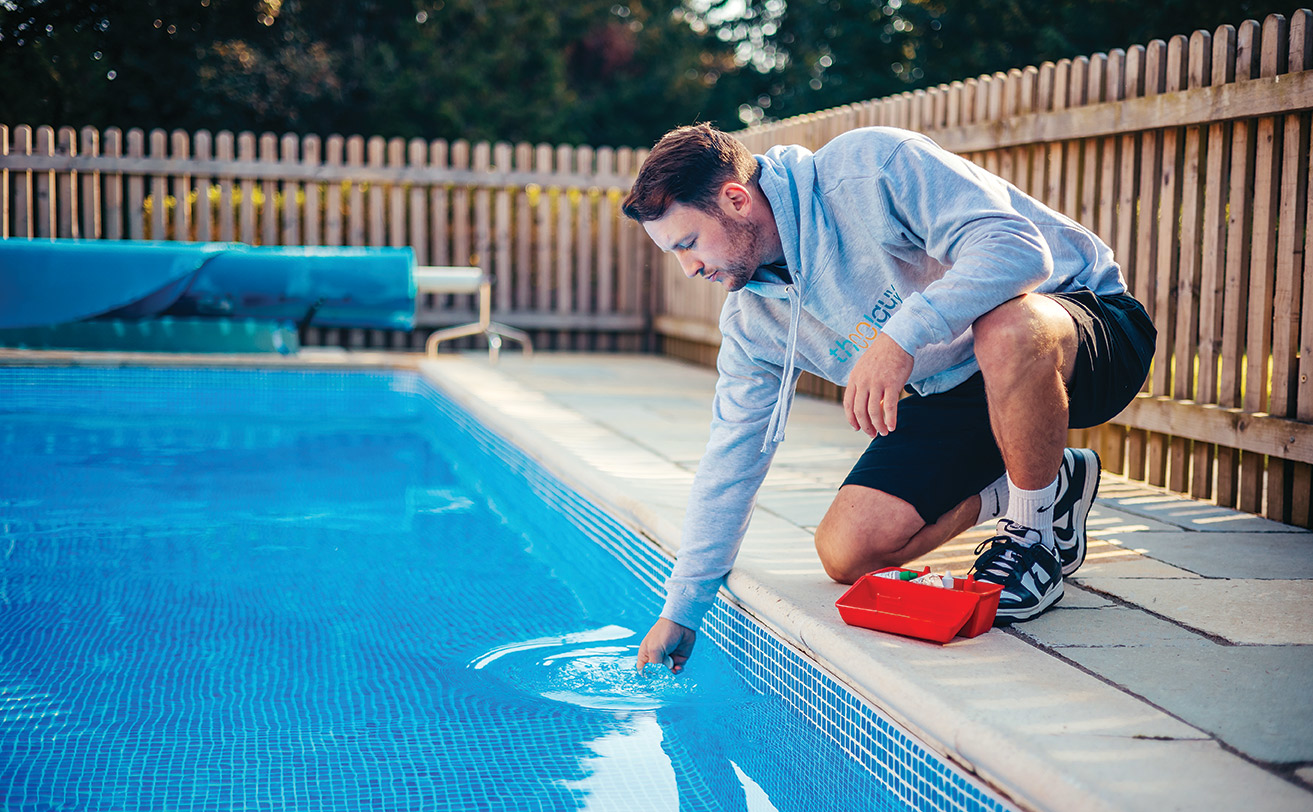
{"x":726,"y":484}
{"x":964,"y":219}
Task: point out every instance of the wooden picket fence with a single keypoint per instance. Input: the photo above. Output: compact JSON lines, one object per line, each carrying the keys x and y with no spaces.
{"x":1191,"y":158}
{"x":545,"y":220}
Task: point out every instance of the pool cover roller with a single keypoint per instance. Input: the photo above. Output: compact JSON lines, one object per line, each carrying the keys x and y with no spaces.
{"x":46,"y":283}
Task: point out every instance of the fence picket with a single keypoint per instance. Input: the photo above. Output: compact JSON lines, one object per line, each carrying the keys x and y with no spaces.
{"x":1008,"y":167}
{"x":180,"y":144}
{"x":439,"y":206}
{"x":1072,"y":175}
{"x":523,"y":268}
{"x":334,"y":153}
{"x":290,"y":153}
{"x":502,"y":269}
{"x":606,"y":244}
{"x":246,"y":211}
{"x":40,"y":184}
{"x":460,"y":217}
{"x":994,"y":112}
{"x":223,"y":150}
{"x":355,"y":193}
{"x":1235,"y":300}
{"x":159,"y":188}
{"x":113,"y":187}
{"x":583,"y":235}
{"x":1212,"y":265}
{"x":42,"y":200}
{"x":395,"y":213}
{"x":1095,"y":74}
{"x":375,"y":205}
{"x":628,"y":291}
{"x":311,"y":155}
{"x":1106,"y":222}
{"x":482,"y":214}
{"x":65,"y":185}
{"x":565,"y":293}
{"x":1301,"y":388}
{"x":23,"y":195}
{"x":89,"y":207}
{"x":1262,"y":270}
{"x":269,"y":230}
{"x":543,"y":162}
{"x":1198,"y":53}
{"x":204,"y":209}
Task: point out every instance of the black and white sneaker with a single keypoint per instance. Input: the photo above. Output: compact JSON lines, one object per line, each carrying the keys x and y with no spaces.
{"x":1078,"y":484}
{"x":1029,"y":572}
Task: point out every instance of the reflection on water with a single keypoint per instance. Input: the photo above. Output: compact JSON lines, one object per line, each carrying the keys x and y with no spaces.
{"x":223,"y":605}
{"x":570,"y":668}
{"x":659,"y":750}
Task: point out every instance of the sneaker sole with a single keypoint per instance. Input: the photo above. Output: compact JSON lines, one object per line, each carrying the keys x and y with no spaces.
{"x":1087,"y":498}
{"x":1020,"y":615}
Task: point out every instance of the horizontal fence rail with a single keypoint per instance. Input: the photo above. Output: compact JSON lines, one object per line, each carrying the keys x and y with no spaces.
{"x":1190,"y":157}
{"x":543,"y":220}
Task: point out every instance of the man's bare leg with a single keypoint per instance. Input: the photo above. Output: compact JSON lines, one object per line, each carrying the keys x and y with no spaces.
{"x":866,"y":529}
{"x":1027,"y":352}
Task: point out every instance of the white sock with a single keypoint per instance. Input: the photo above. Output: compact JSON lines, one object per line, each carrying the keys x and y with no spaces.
{"x":1034,"y":509}
{"x":994,"y":500}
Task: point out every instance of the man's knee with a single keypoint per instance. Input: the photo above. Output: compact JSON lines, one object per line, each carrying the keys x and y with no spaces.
{"x":1023,"y":330}
{"x":864,"y":530}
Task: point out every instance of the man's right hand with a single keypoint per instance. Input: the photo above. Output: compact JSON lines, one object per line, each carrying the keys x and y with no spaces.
{"x":666,"y":639}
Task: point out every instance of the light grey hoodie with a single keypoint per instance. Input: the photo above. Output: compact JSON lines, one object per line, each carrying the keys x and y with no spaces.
{"x":882,"y":231}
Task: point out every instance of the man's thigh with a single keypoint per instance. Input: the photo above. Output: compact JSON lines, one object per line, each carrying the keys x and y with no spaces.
{"x":942,"y":452}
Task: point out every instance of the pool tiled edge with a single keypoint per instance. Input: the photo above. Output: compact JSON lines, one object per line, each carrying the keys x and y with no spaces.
{"x":902,"y":764}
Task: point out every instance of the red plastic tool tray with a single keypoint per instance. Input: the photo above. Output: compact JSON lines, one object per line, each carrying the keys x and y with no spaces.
{"x":917,"y":610}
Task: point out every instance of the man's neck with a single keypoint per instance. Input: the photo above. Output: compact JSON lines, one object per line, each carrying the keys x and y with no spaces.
{"x":773,"y":253}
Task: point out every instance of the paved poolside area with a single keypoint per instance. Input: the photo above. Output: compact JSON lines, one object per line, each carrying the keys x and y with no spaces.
{"x":1176,"y":673}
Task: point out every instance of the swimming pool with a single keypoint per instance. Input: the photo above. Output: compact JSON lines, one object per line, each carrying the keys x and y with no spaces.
{"x":225,"y":589}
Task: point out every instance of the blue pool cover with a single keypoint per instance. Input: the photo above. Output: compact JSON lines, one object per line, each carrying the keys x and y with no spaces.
{"x":45,"y":283}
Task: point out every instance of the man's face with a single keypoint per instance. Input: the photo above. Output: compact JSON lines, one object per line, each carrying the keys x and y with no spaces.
{"x":724,"y":248}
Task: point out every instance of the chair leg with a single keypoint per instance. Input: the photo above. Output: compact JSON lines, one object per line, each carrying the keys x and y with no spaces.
{"x":493,"y":331}
{"x":439,"y":336}
{"x":501,"y":330}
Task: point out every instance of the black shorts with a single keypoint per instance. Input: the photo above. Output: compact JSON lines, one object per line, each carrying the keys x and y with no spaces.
{"x":944,"y":450}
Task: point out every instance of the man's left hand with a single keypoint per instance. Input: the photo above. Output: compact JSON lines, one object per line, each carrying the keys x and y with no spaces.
{"x":877,"y":380}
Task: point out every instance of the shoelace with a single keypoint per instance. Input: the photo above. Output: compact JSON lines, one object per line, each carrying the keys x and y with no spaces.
{"x":1002,"y":552}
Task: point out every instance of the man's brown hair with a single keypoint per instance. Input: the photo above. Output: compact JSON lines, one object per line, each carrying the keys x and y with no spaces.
{"x":689,"y":165}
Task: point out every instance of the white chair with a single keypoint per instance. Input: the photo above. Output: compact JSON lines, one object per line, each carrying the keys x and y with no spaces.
{"x":435,"y":279}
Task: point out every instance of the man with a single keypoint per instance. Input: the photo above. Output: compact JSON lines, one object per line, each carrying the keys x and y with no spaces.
{"x":877,"y":262}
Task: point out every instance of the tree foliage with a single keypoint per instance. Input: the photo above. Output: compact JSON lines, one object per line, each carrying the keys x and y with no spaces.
{"x":584,"y":71}
{"x":540,"y":70}
{"x":814,"y":54}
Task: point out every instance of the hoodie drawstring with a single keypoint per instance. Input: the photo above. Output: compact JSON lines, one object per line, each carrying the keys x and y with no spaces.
{"x":784,"y":401}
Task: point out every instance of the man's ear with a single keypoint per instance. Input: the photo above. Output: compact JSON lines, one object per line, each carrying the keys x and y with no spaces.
{"x":737,"y":197}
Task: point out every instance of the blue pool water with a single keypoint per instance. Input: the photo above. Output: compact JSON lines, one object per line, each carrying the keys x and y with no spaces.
{"x":257,"y":590}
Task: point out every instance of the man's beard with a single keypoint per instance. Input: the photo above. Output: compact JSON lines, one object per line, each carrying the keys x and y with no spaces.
{"x":743,"y":239}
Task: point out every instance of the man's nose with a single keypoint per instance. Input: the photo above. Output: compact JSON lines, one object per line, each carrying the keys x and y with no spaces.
{"x":691,"y":265}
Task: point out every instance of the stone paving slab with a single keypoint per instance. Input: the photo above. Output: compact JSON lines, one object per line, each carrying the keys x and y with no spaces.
{"x":1128,"y":695}
{"x":1278,"y":556}
{"x":1246,"y":695}
{"x":1238,"y":610}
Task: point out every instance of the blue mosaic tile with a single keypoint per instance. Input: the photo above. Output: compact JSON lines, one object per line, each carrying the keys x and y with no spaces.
{"x":370,"y":757}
